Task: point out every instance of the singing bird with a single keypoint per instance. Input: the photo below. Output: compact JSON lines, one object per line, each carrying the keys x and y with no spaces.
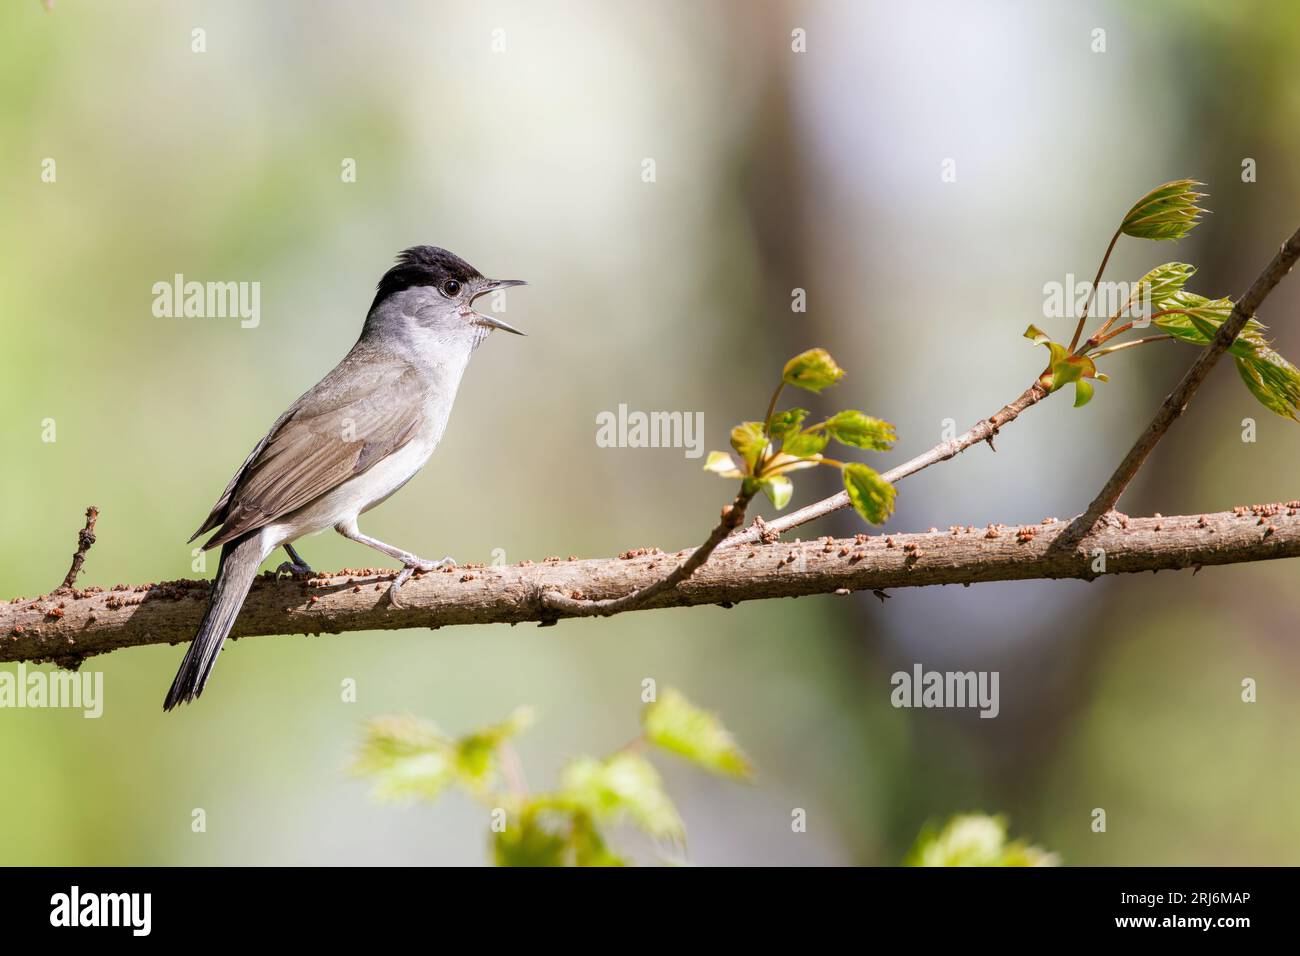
{"x":358,"y":435}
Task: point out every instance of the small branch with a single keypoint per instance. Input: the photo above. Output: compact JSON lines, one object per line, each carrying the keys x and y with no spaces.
{"x":1101,"y":339}
{"x":1111,"y":349}
{"x":68,"y":628}
{"x":733,"y":516}
{"x":85,"y":538}
{"x":771,"y":410}
{"x":1109,"y":322}
{"x":1083,"y":316}
{"x":984,"y":430}
{"x":1176,"y":403}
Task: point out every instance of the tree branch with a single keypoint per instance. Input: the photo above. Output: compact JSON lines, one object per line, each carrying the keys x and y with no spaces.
{"x":68,"y":627}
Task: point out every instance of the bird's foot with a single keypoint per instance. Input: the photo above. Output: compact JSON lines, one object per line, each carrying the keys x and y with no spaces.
{"x":295,"y":564}
{"x":404,"y":575}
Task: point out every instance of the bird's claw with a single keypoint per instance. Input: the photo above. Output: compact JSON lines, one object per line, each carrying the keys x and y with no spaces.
{"x":404,"y":575}
{"x":288,"y":567}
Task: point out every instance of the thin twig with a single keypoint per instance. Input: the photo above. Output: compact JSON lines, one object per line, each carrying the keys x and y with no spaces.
{"x":1112,"y":349}
{"x":85,"y":538}
{"x":1083,"y":316}
{"x":1098,"y":338}
{"x":1176,"y":403}
{"x":733,"y":516}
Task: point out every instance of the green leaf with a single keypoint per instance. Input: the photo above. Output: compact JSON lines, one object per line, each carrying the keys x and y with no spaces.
{"x":1167,"y":212}
{"x":872,"y":496}
{"x":1064,"y":368}
{"x":974,"y":840}
{"x":787,"y":423}
{"x":805,"y":444}
{"x":1199,"y":321}
{"x":1268,"y":376}
{"x":778,"y":489}
{"x":1065,"y":372}
{"x":813,"y":370}
{"x":1058,"y":352}
{"x":1037,"y":335}
{"x":750,"y":442}
{"x":624,"y":786}
{"x":1162,"y":283}
{"x":1273,"y":380}
{"x":722,"y":465}
{"x":862,"y":431}
{"x":675,"y":724}
{"x":1082,"y":392}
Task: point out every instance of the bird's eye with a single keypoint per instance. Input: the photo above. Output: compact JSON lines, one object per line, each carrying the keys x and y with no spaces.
{"x":451,"y":288}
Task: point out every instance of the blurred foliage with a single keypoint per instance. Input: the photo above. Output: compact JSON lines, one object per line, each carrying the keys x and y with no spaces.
{"x":974,"y":839}
{"x":411,"y":758}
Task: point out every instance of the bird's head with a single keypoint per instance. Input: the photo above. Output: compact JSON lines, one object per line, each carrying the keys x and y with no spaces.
{"x":430,"y":293}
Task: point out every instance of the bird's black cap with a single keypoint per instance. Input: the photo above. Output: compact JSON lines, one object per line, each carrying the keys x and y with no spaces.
{"x":423,"y":265}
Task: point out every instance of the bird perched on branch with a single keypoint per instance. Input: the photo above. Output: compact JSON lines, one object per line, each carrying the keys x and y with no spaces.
{"x":350,"y":442}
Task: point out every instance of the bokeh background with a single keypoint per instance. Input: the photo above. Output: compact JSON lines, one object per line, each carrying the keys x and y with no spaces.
{"x":774,"y":170}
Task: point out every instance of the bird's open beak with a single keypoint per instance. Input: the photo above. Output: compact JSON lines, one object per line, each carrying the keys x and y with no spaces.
{"x":491,"y":321}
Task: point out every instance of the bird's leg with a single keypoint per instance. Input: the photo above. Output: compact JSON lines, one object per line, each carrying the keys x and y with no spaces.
{"x":296,"y":565}
{"x":410,"y":562}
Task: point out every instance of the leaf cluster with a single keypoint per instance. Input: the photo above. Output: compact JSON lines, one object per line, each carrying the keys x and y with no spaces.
{"x":782,"y":443}
{"x":1170,"y":212}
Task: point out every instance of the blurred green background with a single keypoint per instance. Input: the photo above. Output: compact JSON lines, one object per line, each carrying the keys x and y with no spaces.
{"x":774,"y":170}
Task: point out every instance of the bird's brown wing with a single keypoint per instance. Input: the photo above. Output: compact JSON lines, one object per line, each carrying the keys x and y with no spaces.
{"x":340,"y":428}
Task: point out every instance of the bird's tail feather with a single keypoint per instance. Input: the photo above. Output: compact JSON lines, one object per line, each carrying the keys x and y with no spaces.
{"x":240,"y":560}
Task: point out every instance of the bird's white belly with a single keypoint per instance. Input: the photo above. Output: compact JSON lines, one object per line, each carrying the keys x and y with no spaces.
{"x":364,"y":491}
{"x":353,"y":496}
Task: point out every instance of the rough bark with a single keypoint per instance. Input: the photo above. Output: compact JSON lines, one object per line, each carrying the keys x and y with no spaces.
{"x":68,"y":626}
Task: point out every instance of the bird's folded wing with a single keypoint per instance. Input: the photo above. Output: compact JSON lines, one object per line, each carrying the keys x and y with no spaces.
{"x":334,"y":432}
